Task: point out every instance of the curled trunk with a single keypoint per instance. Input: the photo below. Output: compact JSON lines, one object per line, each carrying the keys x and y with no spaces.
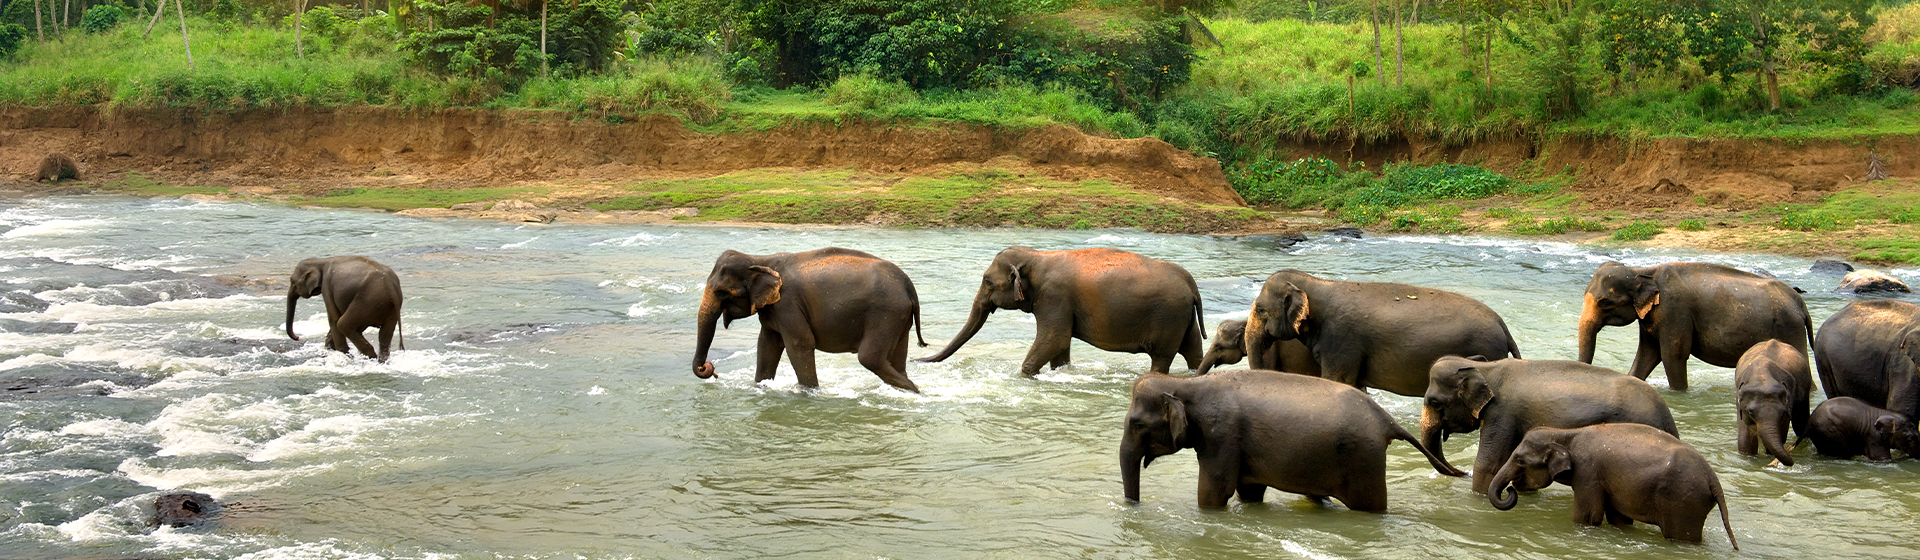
{"x":709,"y":314}
{"x":1589,"y":328}
{"x":1130,"y":465}
{"x":1773,"y":435}
{"x":982,"y":307}
{"x":1432,"y":434}
{"x":293,"y":300}
{"x":1500,"y":492}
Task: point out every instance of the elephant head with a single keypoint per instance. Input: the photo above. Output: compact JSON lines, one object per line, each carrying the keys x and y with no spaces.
{"x":303,"y":283}
{"x":1766,"y":409}
{"x":1617,"y":296}
{"x":1896,"y":431}
{"x":1157,"y":425}
{"x":1280,"y":312}
{"x":1229,"y":346}
{"x":1007,"y":284}
{"x":738,"y":287}
{"x":1456,"y":392}
{"x":1541,"y":459}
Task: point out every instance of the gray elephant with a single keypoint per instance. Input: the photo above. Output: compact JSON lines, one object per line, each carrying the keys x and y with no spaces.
{"x":1772,"y":387}
{"x":1115,"y":300}
{"x":1620,"y":473}
{"x":1229,"y":347}
{"x":1704,"y":310}
{"x":358,"y":293}
{"x":827,"y":300}
{"x":1868,"y":350}
{"x":1847,"y":427}
{"x":1371,"y":334}
{"x":1257,"y":429}
{"x":1505,"y":399}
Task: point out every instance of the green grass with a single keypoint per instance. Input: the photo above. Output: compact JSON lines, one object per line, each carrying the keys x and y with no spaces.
{"x":1691,"y":225}
{"x":1637,"y":231}
{"x":1527,"y":224}
{"x":396,"y":199}
{"x":137,"y":184}
{"x":1902,"y":249}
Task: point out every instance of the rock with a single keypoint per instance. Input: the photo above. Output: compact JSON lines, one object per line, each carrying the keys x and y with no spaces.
{"x":1763,"y":272}
{"x":27,"y":327}
{"x":203,"y":198}
{"x":1347,"y":232}
{"x":470,"y":206}
{"x":1868,"y":282}
{"x":22,"y":302}
{"x":513,"y":206}
{"x":1830,"y":266}
{"x":182,"y":509}
{"x":541,"y":216}
{"x":57,"y":167}
{"x":678,"y":212}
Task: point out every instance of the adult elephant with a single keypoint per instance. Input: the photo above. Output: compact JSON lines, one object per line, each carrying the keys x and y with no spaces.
{"x":1115,"y":300}
{"x":1868,"y":350}
{"x":1258,"y":429}
{"x":1506,"y":398}
{"x":358,"y":293}
{"x":1704,"y":310}
{"x":1229,"y":347}
{"x":830,"y":300}
{"x":1371,"y":334}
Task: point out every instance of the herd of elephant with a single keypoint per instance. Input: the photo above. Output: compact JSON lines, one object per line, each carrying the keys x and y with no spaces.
{"x":1313,"y":430}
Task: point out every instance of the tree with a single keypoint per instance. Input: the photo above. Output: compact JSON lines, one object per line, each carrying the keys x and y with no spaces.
{"x":1729,"y":37}
{"x":36,"y":22}
{"x":1640,"y":35}
{"x":1399,"y":46}
{"x":299,"y":48}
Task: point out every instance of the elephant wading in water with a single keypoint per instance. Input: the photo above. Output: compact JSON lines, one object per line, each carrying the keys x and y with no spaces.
{"x":1115,"y":300}
{"x":1847,"y":427}
{"x":1371,"y":334}
{"x":358,"y":293}
{"x":1505,"y":399}
{"x":1772,"y":386}
{"x":830,"y":300}
{"x":1704,"y":310}
{"x":1620,"y":473}
{"x":1868,"y":351}
{"x":1229,"y":347}
{"x":1258,"y":429}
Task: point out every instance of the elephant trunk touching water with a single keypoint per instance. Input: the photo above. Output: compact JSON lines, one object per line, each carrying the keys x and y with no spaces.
{"x":709,"y":314}
{"x":1703,"y":310}
{"x":825,"y":300}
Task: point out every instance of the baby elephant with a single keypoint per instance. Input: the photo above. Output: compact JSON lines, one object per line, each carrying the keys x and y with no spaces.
{"x":1229,"y":347}
{"x":1620,"y":473}
{"x":1847,"y":427}
{"x":358,"y":292}
{"x":1771,"y":384}
{"x":1256,"y":429}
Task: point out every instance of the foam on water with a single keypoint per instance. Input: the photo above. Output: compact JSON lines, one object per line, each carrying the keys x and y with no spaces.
{"x":56,"y":227}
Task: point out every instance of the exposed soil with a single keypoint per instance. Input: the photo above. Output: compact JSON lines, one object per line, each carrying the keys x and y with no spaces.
{"x":315,"y":150}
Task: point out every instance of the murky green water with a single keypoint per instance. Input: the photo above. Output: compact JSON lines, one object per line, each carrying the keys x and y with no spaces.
{"x":544,"y":408}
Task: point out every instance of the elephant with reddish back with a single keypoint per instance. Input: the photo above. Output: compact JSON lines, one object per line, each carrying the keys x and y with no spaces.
{"x":827,"y":300}
{"x":1704,"y":310}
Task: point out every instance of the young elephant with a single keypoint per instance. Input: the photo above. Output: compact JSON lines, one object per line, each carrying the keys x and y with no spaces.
{"x":358,"y":292}
{"x":1371,"y":334}
{"x":1505,"y":399}
{"x":1115,"y":300}
{"x":1620,"y":473}
{"x":1847,"y":427}
{"x":1708,"y":311}
{"x":830,"y":300}
{"x":1772,"y":385}
{"x":1229,"y":347}
{"x":1257,"y":429}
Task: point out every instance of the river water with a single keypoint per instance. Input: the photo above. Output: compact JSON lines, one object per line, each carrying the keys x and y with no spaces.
{"x":544,"y":407}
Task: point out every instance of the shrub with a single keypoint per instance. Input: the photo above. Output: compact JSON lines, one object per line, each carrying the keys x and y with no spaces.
{"x":1637,"y":231}
{"x":1813,"y":221}
{"x":100,"y":18}
{"x":11,"y":37}
{"x":867,"y":93}
{"x":1296,"y":183}
{"x":1691,"y":225}
{"x":1503,"y":213}
{"x":1405,"y":184}
{"x":1527,"y":225}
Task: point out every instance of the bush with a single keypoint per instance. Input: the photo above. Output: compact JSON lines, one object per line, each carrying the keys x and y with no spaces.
{"x":1404,"y":184}
{"x":1813,"y":221}
{"x":867,"y":93}
{"x":100,"y":18}
{"x":1527,"y":225}
{"x":1297,"y":183}
{"x":11,"y":37}
{"x":1637,"y":231}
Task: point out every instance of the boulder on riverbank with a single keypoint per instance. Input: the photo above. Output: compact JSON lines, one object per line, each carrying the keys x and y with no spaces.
{"x":1872,"y":282}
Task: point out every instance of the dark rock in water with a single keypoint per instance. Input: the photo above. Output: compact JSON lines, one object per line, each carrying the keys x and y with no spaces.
{"x":26,"y":327}
{"x":1870,"y":282}
{"x":1830,"y":266}
{"x":22,"y":302}
{"x":182,"y":509}
{"x":235,"y":346}
{"x":1347,"y":232}
{"x":106,"y":286}
{"x":1763,"y":272}
{"x":491,"y":335}
{"x":417,"y":250}
{"x":64,"y":380}
{"x":267,"y":285}
{"x":1277,"y":241}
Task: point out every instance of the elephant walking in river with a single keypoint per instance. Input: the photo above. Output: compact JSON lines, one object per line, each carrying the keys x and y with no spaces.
{"x":1708,"y":311}
{"x":830,"y":300}
{"x":358,"y":293}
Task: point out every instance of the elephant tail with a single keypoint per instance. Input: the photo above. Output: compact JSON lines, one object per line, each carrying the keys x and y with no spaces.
{"x":1721,"y":498}
{"x":1439,"y":463}
{"x":1199,"y":318}
{"x":1512,"y":346}
{"x":399,"y":333}
{"x":916,"y":326}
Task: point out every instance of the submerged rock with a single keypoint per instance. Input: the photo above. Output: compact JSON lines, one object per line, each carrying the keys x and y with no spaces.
{"x":28,"y":327}
{"x":182,"y":509}
{"x":1869,"y":281}
{"x":1830,"y":266}
{"x":41,"y":382}
{"x":1347,"y":232}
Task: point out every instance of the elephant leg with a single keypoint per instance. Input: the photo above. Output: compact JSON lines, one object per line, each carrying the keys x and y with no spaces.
{"x":1365,"y":492}
{"x":357,"y":335}
{"x":1617,"y":519}
{"x":1219,"y":476}
{"x":877,"y":353}
{"x":1673,"y":355}
{"x":1193,"y":348}
{"x":1589,"y":506}
{"x":1065,"y":357}
{"x":1053,"y":336}
{"x":386,"y":338}
{"x":1162,"y":363}
{"x":767,"y":360}
{"x":1253,"y":493}
{"x":1646,"y":357}
{"x":802,"y":359}
{"x":1345,"y":370}
{"x":1497,"y":442}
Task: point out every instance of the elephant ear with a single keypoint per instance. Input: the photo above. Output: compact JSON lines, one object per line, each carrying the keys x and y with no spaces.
{"x":1019,"y":282}
{"x":1297,"y":308}
{"x":306,"y":280}
{"x":1559,"y":462}
{"x":764,"y":289}
{"x":1474,"y":390}
{"x":1177,"y":420}
{"x":1646,"y":295}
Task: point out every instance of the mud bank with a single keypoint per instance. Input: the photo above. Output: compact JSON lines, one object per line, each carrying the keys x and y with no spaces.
{"x":352,"y":146}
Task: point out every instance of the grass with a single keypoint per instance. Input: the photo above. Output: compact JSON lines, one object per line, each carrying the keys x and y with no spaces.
{"x":1637,"y":231}
{"x":394,"y":199}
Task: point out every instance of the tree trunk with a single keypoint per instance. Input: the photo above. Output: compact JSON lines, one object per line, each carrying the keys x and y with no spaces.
{"x":543,"y":39}
{"x":1488,"y":65}
{"x":188,"y":43}
{"x":299,"y":48}
{"x":1399,"y":45}
{"x":158,"y":10}
{"x":37,"y":30}
{"x":1773,"y":86}
{"x":1379,"y":62}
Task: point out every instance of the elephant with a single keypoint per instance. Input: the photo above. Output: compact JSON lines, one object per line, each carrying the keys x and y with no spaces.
{"x":1847,"y":427}
{"x":1704,"y":310}
{"x":1868,"y":350}
{"x":1620,"y":473}
{"x":358,"y":292}
{"x":1115,"y":300}
{"x":830,"y":300}
{"x":1506,"y":398}
{"x":1255,"y":429}
{"x":1229,"y":347}
{"x":1371,"y":334}
{"x":1772,"y":387}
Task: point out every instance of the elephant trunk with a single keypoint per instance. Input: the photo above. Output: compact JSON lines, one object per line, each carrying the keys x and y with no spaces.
{"x":293,"y":300}
{"x":1212,"y":358}
{"x":709,"y":314}
{"x":1590,"y":323}
{"x":982,"y":307}
{"x":1258,"y":345}
{"x":1773,"y":435}
{"x":1500,"y":492}
{"x":1432,"y":434}
{"x":1131,"y":459}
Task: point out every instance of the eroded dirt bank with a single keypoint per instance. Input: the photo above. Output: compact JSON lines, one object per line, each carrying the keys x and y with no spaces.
{"x":327,"y":148}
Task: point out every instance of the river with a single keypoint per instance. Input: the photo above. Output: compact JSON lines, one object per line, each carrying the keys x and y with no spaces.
{"x":544,"y":407}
